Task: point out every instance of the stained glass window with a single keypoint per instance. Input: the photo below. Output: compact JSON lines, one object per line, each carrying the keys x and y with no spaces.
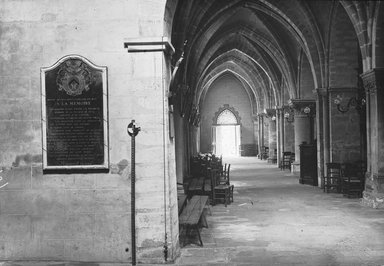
{"x":226,"y":117}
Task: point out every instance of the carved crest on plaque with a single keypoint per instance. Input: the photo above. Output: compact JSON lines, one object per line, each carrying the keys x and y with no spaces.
{"x":74,"y":77}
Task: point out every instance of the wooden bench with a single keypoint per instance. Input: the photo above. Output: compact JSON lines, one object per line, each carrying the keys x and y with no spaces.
{"x":181,"y":201}
{"x":193,"y":214}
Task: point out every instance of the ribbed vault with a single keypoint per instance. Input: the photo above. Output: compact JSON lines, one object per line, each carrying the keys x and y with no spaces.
{"x":258,"y":41}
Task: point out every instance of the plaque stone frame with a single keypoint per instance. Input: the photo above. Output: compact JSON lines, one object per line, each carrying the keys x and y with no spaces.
{"x":74,"y":101}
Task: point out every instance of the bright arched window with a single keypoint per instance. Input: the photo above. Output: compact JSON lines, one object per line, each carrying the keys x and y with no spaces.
{"x":226,"y":117}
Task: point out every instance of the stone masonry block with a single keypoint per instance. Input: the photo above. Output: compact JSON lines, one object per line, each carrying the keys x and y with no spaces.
{"x":52,"y":249}
{"x":75,"y":227}
{"x":150,"y":237}
{"x":17,"y":178}
{"x":148,"y":220}
{"x":150,"y":255}
{"x":150,"y":185}
{"x":115,"y":28}
{"x":118,"y":108}
{"x":150,"y":137}
{"x":112,"y":201}
{"x":113,"y":225}
{"x":15,"y":227}
{"x":113,"y":181}
{"x":149,"y":200}
{"x":14,"y":109}
{"x":141,"y":71}
{"x":19,"y":250}
{"x":145,"y":171}
{"x":32,"y":202}
{"x":79,"y":250}
{"x":82,"y":181}
{"x":112,"y":249}
{"x":80,"y":201}
{"x":140,"y":87}
{"x":40,"y":181}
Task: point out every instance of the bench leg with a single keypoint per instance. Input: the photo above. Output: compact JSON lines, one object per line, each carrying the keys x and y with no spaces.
{"x":198,"y":234}
{"x":203,"y":220}
{"x":208,"y":209}
{"x":183,"y":240}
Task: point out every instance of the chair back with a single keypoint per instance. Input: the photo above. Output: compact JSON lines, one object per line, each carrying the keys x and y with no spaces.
{"x":227,"y":173}
{"x":333,"y":170}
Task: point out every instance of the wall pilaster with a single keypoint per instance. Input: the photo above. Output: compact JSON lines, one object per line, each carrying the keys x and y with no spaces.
{"x":374,"y":184}
{"x":303,"y":128}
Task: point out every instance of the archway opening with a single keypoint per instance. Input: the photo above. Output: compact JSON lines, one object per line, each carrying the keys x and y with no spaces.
{"x":226,"y":134}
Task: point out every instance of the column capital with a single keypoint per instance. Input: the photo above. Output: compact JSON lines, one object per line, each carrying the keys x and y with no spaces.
{"x":373,"y":79}
{"x":303,"y":106}
{"x":261,"y":114}
{"x":270,"y":112}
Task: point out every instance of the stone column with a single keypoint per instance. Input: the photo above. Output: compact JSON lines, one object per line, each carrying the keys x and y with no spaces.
{"x":288,"y":128}
{"x":261,"y":133}
{"x":280,"y":133}
{"x":322,"y":121}
{"x":303,"y":127}
{"x":374,"y":184}
{"x":272,"y":143}
{"x":255,"y":121}
{"x":156,"y":208}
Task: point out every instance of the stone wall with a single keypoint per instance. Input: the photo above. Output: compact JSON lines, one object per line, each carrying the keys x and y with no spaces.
{"x":289,"y":136}
{"x":85,"y":217}
{"x":345,"y":130}
{"x":343,"y":58}
{"x":226,"y":90}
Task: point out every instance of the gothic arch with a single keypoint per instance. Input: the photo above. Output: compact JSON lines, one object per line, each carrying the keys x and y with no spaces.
{"x":222,"y":109}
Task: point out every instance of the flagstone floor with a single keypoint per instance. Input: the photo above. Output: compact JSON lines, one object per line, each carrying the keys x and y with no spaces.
{"x":274,"y":220}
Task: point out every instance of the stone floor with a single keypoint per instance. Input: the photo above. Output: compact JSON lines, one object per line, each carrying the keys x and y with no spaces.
{"x":274,"y":220}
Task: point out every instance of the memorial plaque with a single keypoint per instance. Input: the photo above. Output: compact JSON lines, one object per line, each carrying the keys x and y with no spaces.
{"x":74,"y":115}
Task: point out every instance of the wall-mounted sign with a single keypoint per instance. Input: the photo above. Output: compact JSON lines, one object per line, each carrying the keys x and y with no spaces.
{"x":74,"y":115}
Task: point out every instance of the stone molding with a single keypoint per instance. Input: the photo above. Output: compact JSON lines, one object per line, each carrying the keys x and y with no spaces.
{"x":225,"y":107}
{"x":150,"y":44}
{"x":321,"y":92}
{"x":372,"y":80}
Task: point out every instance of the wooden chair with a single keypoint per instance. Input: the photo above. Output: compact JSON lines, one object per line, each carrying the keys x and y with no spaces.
{"x":224,"y":177}
{"x":273,"y":158}
{"x":332,"y":181}
{"x":292,"y":159}
{"x":219,"y":192}
{"x":264,"y":151}
{"x":231,"y":187}
{"x":285,"y":162}
{"x":223,"y":193}
{"x":353,"y":180}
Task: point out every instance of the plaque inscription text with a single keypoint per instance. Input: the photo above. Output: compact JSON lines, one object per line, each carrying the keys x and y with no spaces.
{"x":75,"y":116}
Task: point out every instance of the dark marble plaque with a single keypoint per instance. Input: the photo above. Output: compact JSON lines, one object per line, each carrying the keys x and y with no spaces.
{"x":74,"y":115}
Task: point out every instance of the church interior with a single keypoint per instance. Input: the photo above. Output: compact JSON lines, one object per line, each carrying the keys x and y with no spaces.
{"x":129,"y":127}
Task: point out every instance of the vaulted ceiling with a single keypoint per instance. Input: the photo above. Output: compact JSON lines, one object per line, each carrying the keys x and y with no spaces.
{"x":261,"y":42}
